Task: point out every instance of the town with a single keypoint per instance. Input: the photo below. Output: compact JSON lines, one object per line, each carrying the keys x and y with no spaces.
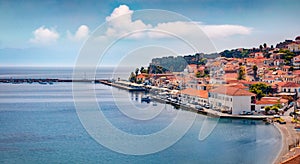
{"x":264,"y":80}
{"x":238,"y":83}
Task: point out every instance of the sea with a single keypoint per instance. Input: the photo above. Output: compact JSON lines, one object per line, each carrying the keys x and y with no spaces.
{"x":39,"y":124}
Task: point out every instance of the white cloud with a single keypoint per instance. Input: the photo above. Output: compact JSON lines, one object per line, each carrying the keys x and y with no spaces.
{"x":121,"y":10}
{"x":81,"y":33}
{"x":44,"y":36}
{"x":191,"y":28}
{"x":215,"y":31}
{"x":120,"y":23}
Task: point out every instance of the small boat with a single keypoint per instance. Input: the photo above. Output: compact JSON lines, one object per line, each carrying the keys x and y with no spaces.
{"x":297,"y":127}
{"x":42,"y":82}
{"x":154,"y":104}
{"x":145,"y":99}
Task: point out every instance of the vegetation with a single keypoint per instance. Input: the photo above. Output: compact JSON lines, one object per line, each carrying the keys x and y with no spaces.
{"x":173,"y":64}
{"x":235,"y":53}
{"x":288,"y":56}
{"x":242,"y":73}
{"x":260,"y":89}
{"x":255,"y":68}
{"x":205,"y":74}
{"x":132,"y":77}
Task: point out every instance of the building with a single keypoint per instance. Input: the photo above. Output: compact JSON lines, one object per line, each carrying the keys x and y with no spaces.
{"x":290,"y":88}
{"x":231,"y":99}
{"x":296,"y":61}
{"x":293,"y":47}
{"x":141,"y":77}
{"x":270,"y":101}
{"x":194,"y":96}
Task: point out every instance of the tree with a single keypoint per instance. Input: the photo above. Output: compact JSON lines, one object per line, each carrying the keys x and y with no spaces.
{"x":242,"y":73}
{"x":260,"y":47}
{"x":275,"y":108}
{"x":265,"y":45}
{"x":288,"y":56}
{"x":255,"y":68}
{"x":142,"y":70}
{"x":198,"y":74}
{"x":137,"y":72}
{"x":132,"y":77}
{"x":260,"y":89}
{"x":267,"y":109}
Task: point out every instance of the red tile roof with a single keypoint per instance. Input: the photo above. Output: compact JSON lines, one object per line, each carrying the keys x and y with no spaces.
{"x":290,"y":84}
{"x":195,"y":92}
{"x":232,"y":91}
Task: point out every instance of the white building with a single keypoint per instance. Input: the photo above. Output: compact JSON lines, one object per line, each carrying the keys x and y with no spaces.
{"x":293,"y":47}
{"x":296,"y":61}
{"x":231,"y":99}
{"x":289,"y":88}
{"x":194,"y":96}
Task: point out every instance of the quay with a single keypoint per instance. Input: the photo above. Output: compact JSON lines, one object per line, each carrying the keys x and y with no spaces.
{"x":210,"y":112}
{"x":124,"y":85}
{"x":30,"y":80}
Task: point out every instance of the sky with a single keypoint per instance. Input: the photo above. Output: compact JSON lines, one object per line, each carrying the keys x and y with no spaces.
{"x":53,"y":33}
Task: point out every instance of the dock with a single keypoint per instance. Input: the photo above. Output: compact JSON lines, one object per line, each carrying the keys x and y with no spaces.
{"x":210,"y":112}
{"x":31,"y":80}
{"x":123,"y":85}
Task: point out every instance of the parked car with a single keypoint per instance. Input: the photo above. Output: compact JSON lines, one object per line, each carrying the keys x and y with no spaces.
{"x":246,"y":113}
{"x":199,"y":108}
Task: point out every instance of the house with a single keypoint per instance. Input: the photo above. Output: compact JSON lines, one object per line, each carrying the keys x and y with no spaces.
{"x":141,"y":77}
{"x":296,"y":61}
{"x":194,"y":96}
{"x":278,"y":62}
{"x":270,"y":101}
{"x":288,"y":89}
{"x":231,"y":99}
{"x":293,"y":47}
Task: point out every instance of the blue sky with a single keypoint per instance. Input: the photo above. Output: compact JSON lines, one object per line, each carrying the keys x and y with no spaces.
{"x":51,"y":33}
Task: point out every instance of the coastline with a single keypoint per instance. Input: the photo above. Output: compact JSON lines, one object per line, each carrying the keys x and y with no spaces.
{"x":289,"y":137}
{"x":283,"y":147}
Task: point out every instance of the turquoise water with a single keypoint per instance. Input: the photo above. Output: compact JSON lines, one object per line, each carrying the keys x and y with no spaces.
{"x":39,"y":124}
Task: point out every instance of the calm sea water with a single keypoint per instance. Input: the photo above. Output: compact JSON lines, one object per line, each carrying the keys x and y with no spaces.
{"x":39,"y":124}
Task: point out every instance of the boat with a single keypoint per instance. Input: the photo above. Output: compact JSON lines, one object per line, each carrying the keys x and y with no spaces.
{"x":154,"y":104}
{"x":42,"y":82}
{"x":145,"y":99}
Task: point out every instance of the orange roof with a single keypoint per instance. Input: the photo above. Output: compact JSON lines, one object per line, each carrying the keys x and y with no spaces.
{"x":232,"y":91}
{"x":141,"y":76}
{"x":195,"y":92}
{"x":291,"y":84}
{"x":237,"y":85}
{"x":296,"y":72}
{"x":271,"y":100}
{"x":230,"y":75}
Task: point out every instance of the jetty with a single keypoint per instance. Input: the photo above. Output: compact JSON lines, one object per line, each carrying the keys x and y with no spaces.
{"x":124,"y":85}
{"x":31,"y":80}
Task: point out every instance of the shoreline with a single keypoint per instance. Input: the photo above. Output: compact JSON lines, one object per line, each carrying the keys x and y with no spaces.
{"x":289,"y":137}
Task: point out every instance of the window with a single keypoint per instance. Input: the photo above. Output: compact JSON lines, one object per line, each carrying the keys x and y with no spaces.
{"x":231,"y":99}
